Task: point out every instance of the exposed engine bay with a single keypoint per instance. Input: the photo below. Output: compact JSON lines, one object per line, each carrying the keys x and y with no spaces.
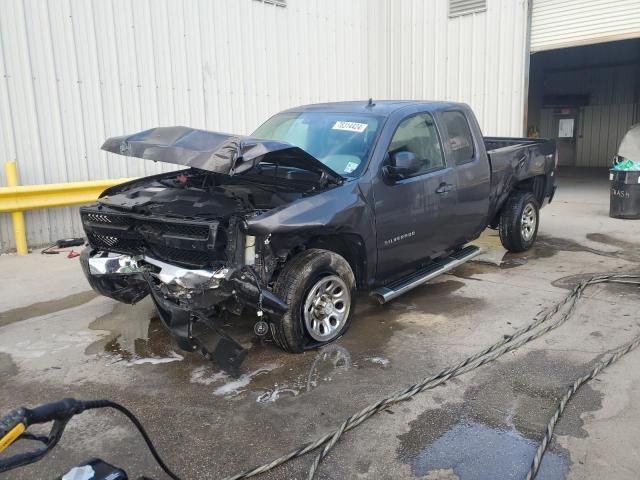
{"x":190,"y":218}
{"x":182,"y":237}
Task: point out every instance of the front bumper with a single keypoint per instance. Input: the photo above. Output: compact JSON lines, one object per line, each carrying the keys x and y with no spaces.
{"x":189,"y":301}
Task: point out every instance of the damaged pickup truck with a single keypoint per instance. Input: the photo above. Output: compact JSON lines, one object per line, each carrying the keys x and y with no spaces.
{"x":321,"y":201}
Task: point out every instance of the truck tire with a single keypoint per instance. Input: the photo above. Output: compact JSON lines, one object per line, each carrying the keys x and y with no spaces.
{"x":519,"y":222}
{"x":319,"y":287}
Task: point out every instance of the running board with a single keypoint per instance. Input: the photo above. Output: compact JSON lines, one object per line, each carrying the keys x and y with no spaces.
{"x":438,"y":267}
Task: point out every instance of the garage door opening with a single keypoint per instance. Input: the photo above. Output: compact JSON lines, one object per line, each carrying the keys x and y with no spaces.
{"x":586,"y":98}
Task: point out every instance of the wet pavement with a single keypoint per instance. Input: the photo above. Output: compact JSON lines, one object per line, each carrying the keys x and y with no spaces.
{"x":58,"y":339}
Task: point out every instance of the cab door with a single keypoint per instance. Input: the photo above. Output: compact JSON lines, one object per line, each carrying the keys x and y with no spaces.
{"x":415,"y":208}
{"x":472,"y":175}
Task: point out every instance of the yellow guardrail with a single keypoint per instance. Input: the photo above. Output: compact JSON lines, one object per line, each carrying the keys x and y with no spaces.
{"x":15,"y":199}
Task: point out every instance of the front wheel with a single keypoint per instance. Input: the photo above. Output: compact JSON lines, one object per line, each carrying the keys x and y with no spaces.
{"x":519,"y":222}
{"x":319,"y":287}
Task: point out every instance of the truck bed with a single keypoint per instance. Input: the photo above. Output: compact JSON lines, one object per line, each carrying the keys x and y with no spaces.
{"x":515,"y":159}
{"x":496,"y":143}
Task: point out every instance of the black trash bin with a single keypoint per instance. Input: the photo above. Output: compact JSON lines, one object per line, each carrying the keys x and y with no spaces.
{"x":625,"y":194}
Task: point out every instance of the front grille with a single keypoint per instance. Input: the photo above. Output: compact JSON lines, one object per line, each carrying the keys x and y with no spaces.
{"x":187,"y":230}
{"x":179,"y":242}
{"x":177,"y":228}
{"x":98,"y":218}
{"x":115,"y":244}
{"x":176,"y":255}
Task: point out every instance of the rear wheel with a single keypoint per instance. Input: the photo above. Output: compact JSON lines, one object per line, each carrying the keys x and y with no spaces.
{"x":319,"y":287}
{"x":519,"y":222}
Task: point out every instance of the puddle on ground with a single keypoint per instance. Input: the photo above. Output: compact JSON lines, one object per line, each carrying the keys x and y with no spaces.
{"x":378,"y":360}
{"x":225,"y":385}
{"x":613,"y":290}
{"x":328,"y":362}
{"x":569,"y":282}
{"x":495,"y":430}
{"x":546,"y":247}
{"x":614,"y":242}
{"x":470,"y":269}
{"x":365,"y":346}
{"x":474,"y":451}
{"x":7,"y":367}
{"x":44,"y":308}
{"x":523,"y":393}
{"x":136,"y":336}
{"x":433,"y":298}
{"x":299,"y":375}
{"x":549,"y":246}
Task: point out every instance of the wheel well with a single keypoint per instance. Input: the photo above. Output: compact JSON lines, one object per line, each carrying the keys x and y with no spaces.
{"x":534,"y":185}
{"x":350,"y":247}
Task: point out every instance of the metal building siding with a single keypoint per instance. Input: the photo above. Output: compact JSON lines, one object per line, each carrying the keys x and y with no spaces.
{"x":478,"y":58}
{"x":567,"y":23}
{"x":73,"y":72}
{"x":604,"y":85}
{"x":611,"y":111}
{"x":601,"y":128}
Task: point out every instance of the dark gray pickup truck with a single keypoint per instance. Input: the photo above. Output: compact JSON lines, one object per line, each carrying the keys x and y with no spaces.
{"x":319,"y":202}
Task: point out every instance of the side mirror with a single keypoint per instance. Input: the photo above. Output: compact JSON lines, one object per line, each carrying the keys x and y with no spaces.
{"x":401,"y":164}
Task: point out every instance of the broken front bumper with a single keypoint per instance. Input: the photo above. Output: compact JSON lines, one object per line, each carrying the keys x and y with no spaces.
{"x":189,"y":302}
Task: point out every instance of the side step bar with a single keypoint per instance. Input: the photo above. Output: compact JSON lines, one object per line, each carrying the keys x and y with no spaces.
{"x":438,"y":267}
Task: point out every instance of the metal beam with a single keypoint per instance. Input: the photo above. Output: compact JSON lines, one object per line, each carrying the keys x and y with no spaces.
{"x":15,"y":199}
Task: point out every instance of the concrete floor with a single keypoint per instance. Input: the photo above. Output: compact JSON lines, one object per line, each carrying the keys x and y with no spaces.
{"x":57,"y":339}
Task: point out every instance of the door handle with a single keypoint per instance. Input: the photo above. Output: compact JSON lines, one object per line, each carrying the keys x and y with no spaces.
{"x":444,"y":188}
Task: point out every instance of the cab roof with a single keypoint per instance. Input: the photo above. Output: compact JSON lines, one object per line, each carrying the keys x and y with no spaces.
{"x":379,"y":107}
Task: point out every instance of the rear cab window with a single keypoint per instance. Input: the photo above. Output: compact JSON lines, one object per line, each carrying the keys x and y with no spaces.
{"x":459,"y":139}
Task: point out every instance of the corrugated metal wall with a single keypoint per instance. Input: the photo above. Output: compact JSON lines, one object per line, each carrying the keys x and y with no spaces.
{"x":613,"y":91}
{"x":567,"y":23}
{"x":605,"y":85}
{"x":73,"y":72}
{"x":600,"y":130}
{"x":611,"y":111}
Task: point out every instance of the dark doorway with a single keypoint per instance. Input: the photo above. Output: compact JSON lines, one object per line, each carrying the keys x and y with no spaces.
{"x":586,"y":98}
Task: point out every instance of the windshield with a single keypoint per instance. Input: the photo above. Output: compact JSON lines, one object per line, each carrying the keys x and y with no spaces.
{"x":341,"y":141}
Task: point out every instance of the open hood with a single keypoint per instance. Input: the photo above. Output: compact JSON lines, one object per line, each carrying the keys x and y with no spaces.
{"x":214,"y":151}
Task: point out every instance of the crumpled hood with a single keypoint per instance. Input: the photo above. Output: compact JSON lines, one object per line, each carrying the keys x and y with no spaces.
{"x":213,"y":151}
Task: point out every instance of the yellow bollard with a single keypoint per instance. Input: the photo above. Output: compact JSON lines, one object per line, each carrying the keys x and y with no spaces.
{"x":19,"y":230}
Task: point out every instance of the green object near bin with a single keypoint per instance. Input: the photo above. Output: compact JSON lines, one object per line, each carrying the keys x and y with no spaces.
{"x":627,"y":165}
{"x":624,"y":199}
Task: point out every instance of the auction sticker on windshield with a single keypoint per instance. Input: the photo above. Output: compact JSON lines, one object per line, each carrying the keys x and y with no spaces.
{"x":349,"y":126}
{"x":351,"y":166}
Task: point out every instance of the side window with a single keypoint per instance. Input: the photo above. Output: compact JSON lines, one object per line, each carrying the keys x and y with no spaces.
{"x":460,"y":139}
{"x":418,"y":134}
